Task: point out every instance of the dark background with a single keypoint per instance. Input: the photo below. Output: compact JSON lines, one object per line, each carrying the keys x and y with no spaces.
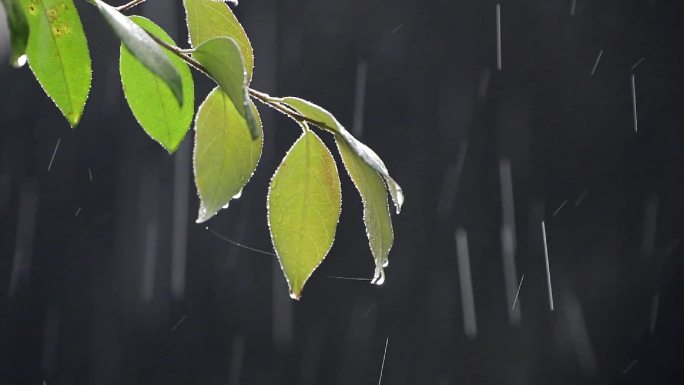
{"x":110,"y":281}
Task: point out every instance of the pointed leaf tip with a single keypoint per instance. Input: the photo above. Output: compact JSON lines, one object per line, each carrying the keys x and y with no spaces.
{"x":304,"y":204}
{"x":57,"y":53}
{"x":225,"y":156}
{"x":376,"y":215}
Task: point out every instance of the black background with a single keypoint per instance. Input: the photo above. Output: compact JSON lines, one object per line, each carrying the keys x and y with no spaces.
{"x":131,"y":291}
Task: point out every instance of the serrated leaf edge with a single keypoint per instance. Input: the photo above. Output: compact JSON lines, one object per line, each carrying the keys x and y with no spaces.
{"x":194,"y":154}
{"x":306,"y":129}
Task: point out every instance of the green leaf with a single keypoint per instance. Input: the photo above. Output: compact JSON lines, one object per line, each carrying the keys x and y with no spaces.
{"x":18,"y":29}
{"x":143,"y":47}
{"x":225,"y":155}
{"x":376,"y":215}
{"x":151,"y":100}
{"x":208,"y":19}
{"x":222,"y":59}
{"x":327,"y":121}
{"x":304,"y":203}
{"x":58,"y":55}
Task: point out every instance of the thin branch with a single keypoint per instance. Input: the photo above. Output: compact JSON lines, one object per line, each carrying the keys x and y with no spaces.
{"x":129,"y":5}
{"x":277,"y":104}
{"x":264,"y":98}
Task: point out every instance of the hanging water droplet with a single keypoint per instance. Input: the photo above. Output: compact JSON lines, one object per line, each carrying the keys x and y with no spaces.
{"x":226,"y":205}
{"x":238,"y":195}
{"x":386,"y":263}
{"x":21,"y":61}
{"x":294,"y":296}
{"x":379,"y":278}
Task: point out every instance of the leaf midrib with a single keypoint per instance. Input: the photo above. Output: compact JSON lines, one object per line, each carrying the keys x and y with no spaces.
{"x":61,"y":61}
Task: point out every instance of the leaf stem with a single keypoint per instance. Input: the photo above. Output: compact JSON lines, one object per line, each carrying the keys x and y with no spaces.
{"x":275,"y":103}
{"x":185,"y":55}
{"x":129,"y":5}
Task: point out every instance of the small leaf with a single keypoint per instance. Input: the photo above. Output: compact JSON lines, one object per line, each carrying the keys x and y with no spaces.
{"x":151,"y":100}
{"x":376,"y":215}
{"x":18,"y":29}
{"x":327,"y":121}
{"x":208,"y":19}
{"x":143,"y":47}
{"x":222,"y":59}
{"x":58,"y":55}
{"x":304,"y":203}
{"x":225,"y":156}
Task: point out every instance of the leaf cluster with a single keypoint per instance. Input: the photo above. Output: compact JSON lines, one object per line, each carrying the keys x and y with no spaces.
{"x":304,"y":198}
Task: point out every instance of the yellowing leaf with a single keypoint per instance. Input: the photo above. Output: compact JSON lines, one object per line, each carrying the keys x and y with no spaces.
{"x":149,"y":97}
{"x":58,"y":54}
{"x":208,"y":19}
{"x":304,"y":204}
{"x":225,"y":156}
{"x":222,"y":59}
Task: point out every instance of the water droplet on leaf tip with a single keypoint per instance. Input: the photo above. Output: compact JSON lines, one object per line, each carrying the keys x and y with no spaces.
{"x":294,"y":296}
{"x":386,"y":263}
{"x":379,"y":279}
{"x":21,"y":61}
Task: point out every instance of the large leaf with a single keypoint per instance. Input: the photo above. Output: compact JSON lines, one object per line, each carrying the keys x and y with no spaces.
{"x":222,"y":59}
{"x":149,"y":97}
{"x":208,"y":19}
{"x":143,"y":47}
{"x":376,"y":215}
{"x":304,"y":203}
{"x":58,"y":55}
{"x":18,"y":29}
{"x":225,"y":155}
{"x":327,"y":121}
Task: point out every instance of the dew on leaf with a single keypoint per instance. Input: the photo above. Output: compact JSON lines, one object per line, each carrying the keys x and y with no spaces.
{"x":236,"y":196}
{"x":21,"y":61}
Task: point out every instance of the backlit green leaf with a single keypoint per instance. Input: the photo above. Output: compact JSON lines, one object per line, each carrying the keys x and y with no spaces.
{"x":222,"y":59}
{"x":149,"y":97}
{"x":208,"y":19}
{"x":143,"y":47}
{"x":304,"y":203}
{"x":18,"y":29}
{"x":58,"y":55}
{"x":327,"y":121}
{"x":376,"y":215}
{"x":225,"y":155}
